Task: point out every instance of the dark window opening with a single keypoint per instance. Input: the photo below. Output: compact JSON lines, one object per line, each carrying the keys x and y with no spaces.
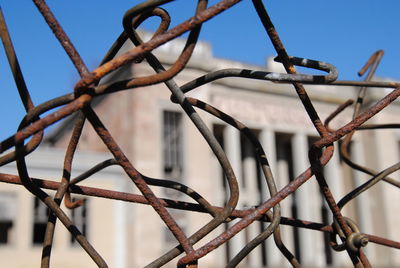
{"x":172,"y":152}
{"x":218,"y":131}
{"x":172,"y":145}
{"x":248,"y":153}
{"x":5,"y":228}
{"x":8,"y":210}
{"x":79,"y":217}
{"x":40,"y":217}
{"x":252,"y":171}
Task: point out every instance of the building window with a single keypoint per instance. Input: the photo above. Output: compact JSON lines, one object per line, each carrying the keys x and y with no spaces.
{"x":79,"y":217}
{"x":172,"y":145}
{"x":172,"y":152}
{"x":218,"y":131}
{"x":8,"y":211}
{"x":40,"y":217}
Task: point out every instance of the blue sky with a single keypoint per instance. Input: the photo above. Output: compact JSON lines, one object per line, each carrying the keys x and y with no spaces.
{"x":343,"y":33}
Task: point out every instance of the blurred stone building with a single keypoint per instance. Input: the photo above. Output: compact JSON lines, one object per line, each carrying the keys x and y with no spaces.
{"x":161,"y":142}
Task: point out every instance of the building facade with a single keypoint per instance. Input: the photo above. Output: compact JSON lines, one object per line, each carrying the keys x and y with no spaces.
{"x":161,"y":142}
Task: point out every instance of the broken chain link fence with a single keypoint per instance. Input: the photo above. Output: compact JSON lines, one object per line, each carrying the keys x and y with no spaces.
{"x":88,"y":87}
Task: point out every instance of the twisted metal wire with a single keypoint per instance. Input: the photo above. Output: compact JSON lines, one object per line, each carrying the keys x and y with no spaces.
{"x":88,"y":88}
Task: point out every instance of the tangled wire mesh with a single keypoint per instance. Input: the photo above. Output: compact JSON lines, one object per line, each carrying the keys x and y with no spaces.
{"x":87,"y":88}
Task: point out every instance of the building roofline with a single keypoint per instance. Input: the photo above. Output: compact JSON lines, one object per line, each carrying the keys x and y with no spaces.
{"x":204,"y":61}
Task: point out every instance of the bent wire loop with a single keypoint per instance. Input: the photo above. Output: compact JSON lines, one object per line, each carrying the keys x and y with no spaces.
{"x":270,"y":76}
{"x":91,"y":86}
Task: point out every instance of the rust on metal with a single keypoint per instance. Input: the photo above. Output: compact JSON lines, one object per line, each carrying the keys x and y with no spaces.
{"x":80,"y":98}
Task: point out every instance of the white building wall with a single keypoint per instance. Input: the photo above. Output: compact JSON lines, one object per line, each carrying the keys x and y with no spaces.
{"x":103,"y":216}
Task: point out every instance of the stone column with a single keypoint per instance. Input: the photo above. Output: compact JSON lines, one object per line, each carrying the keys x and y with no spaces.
{"x":267,"y":139}
{"x":121,"y":225}
{"x":251,"y":197}
{"x":233,"y":152}
{"x":334,"y":178}
{"x":362,"y":201}
{"x":308,"y":206}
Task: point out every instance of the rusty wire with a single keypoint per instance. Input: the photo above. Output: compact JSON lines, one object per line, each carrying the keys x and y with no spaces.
{"x":88,"y":88}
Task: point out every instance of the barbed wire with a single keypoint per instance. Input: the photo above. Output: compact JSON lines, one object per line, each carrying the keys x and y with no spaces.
{"x":88,"y":88}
